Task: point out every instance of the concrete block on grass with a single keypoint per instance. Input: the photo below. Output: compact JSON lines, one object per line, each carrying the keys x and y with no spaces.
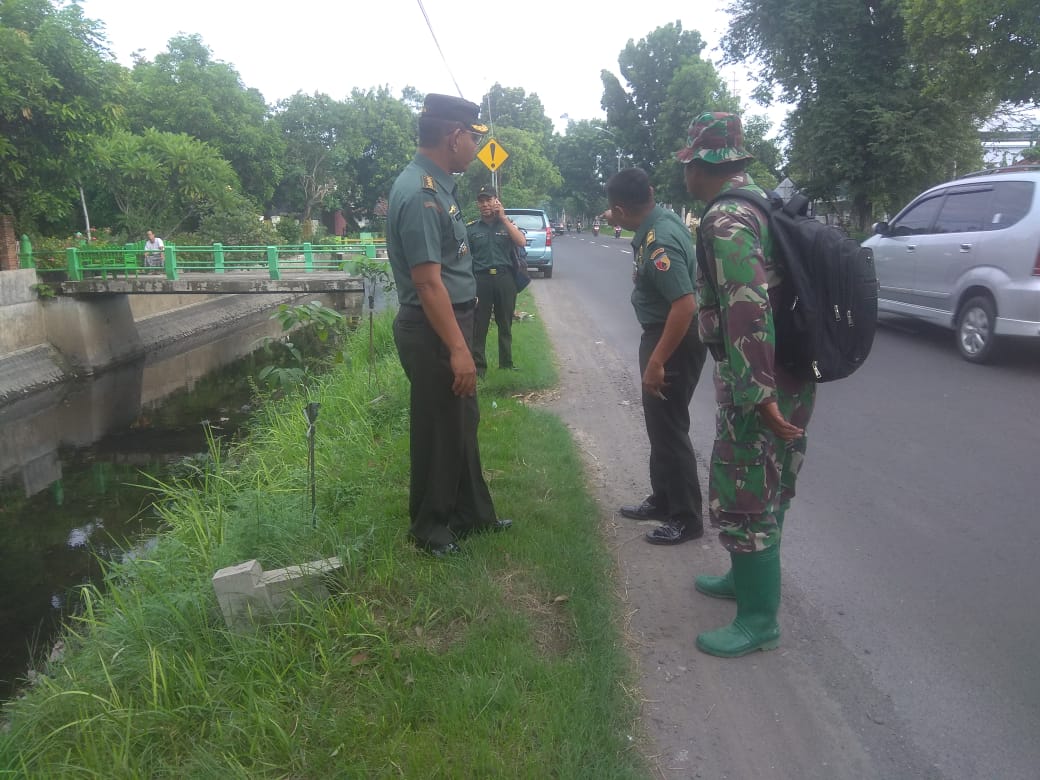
{"x":245,"y":590}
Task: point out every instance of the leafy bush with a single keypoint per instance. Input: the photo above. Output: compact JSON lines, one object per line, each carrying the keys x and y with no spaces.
{"x":242,"y":227}
{"x":289,"y":230}
{"x":49,"y":252}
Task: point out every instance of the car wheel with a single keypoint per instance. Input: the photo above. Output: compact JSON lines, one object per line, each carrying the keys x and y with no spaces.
{"x":547,"y":273}
{"x":976,"y":324}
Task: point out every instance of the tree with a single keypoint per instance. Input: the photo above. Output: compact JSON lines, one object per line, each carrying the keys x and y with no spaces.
{"x":863,"y":128}
{"x":513,"y":107}
{"x":186,"y":91}
{"x":312,"y":128}
{"x":165,"y":181}
{"x":989,"y":49}
{"x":382,"y":129}
{"x":668,"y":83}
{"x":766,"y":170}
{"x":57,"y":89}
{"x":586,"y":157}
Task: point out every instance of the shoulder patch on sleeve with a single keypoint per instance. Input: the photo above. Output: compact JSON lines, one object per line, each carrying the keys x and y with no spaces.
{"x":429,"y":184}
{"x":661,"y":261}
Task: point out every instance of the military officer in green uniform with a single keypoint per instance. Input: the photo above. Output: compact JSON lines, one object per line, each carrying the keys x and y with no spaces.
{"x":491,"y":240}
{"x":433,"y":270}
{"x":671,"y":355}
{"x":762,"y":410}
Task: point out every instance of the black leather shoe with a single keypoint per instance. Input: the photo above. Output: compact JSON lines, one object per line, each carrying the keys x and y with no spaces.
{"x":674,"y":533}
{"x":439,"y":550}
{"x":646,"y":511}
{"x":509,"y":368}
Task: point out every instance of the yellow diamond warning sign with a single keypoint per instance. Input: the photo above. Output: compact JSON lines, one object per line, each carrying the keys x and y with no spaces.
{"x":492,"y":155}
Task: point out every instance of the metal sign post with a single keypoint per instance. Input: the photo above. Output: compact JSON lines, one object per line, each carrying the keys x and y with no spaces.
{"x":311,"y":412}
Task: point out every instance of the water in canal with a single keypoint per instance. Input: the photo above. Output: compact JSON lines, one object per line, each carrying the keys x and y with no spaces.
{"x":76,"y":463}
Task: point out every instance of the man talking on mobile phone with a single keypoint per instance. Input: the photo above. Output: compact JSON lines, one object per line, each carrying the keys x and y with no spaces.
{"x":491,"y":240}
{"x":671,"y":355}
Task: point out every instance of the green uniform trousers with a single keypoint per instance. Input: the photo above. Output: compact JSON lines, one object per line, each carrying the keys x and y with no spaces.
{"x":495,"y":291}
{"x":448,"y":496}
{"x":673,"y":466}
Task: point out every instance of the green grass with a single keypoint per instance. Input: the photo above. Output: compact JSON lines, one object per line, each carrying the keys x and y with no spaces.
{"x":505,"y":661}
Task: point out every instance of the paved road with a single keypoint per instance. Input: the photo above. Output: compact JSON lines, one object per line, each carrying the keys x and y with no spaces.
{"x":910,"y":568}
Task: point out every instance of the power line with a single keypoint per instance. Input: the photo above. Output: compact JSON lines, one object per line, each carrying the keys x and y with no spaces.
{"x":438,"y":45}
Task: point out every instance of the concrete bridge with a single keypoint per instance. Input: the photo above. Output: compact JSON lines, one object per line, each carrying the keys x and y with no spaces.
{"x":201,"y":283}
{"x":217,"y":269}
{"x":101,"y":323}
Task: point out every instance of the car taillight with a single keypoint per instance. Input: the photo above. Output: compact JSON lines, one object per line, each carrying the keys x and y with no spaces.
{"x":548,"y":236}
{"x":1036,"y":265}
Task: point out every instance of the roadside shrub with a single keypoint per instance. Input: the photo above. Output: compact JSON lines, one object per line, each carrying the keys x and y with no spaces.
{"x":49,"y":251}
{"x":289,"y":230}
{"x":241,"y":228}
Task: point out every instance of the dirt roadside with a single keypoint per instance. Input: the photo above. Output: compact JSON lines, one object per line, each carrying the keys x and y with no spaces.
{"x":804,"y":711}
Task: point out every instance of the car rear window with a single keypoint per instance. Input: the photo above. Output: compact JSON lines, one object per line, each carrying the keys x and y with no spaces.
{"x":1011,"y":202}
{"x":530,"y":221}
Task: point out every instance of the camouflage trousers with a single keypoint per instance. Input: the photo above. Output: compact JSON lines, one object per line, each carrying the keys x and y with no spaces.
{"x":753,"y":472}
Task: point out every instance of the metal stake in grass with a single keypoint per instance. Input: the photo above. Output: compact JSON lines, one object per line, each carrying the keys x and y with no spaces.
{"x":311,"y":412}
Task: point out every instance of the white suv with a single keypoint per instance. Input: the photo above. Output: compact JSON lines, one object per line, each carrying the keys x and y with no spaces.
{"x":966,"y":255}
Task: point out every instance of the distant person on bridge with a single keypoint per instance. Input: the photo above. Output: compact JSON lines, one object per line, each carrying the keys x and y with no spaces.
{"x":154,"y":251}
{"x":671,"y":355}
{"x":762,"y":411}
{"x":433,"y":330}
{"x":491,"y":240}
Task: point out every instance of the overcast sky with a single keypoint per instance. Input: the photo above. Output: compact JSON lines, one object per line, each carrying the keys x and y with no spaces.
{"x":555,"y":49}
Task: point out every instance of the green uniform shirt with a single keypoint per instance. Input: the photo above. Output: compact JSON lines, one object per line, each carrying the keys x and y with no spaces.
{"x":424,"y":225}
{"x":491,"y":245}
{"x":665,"y":265}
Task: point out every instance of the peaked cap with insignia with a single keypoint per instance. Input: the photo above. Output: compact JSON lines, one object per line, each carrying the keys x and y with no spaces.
{"x":453,"y":109}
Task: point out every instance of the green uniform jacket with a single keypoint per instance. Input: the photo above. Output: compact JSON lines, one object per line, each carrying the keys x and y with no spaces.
{"x":424,"y":225}
{"x":491,"y":245}
{"x":665,"y":265}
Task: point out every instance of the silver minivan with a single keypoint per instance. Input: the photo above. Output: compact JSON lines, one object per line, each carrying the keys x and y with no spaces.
{"x":966,"y":255}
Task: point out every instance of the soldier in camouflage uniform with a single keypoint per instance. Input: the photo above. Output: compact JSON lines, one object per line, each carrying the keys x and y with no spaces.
{"x":433,"y":331}
{"x":762,"y":411}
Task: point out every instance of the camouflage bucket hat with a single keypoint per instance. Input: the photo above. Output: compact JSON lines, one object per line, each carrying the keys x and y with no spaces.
{"x":715,"y":138}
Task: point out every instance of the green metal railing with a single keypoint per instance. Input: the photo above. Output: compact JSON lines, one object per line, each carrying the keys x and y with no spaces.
{"x":216,"y":258}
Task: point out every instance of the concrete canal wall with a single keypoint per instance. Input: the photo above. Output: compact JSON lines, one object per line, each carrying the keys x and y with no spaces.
{"x":47,"y":341}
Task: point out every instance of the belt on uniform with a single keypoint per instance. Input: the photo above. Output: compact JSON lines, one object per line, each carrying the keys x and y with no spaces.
{"x":488,"y":271}
{"x":464,"y":306}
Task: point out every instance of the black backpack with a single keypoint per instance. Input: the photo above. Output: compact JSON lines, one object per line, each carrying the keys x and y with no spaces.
{"x":827,"y":310}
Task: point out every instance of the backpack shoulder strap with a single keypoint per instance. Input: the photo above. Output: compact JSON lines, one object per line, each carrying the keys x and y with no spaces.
{"x":738,"y":193}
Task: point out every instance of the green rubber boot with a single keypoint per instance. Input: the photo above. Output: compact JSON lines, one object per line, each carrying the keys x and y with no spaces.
{"x":756,"y":578}
{"x":722,"y":587}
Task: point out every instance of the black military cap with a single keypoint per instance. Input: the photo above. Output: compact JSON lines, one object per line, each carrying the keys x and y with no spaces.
{"x":453,"y":109}
{"x":487,"y":191}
